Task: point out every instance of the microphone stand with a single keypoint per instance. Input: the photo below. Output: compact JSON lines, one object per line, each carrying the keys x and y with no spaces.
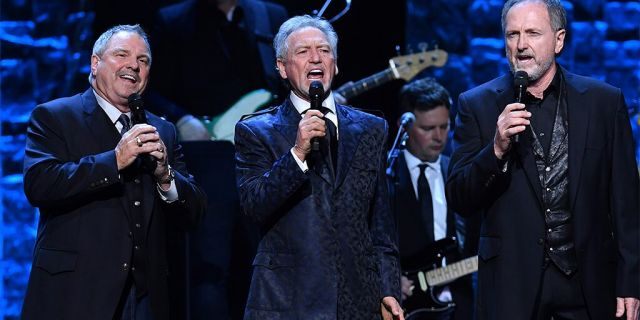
{"x":398,"y":144}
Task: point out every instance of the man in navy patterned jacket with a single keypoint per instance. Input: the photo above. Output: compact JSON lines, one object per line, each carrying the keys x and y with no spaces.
{"x":328,"y":248}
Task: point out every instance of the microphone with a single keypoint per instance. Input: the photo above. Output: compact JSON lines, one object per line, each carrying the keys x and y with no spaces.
{"x":316,"y":93}
{"x":406,"y":120}
{"x":136,"y":105}
{"x":520,"y":82}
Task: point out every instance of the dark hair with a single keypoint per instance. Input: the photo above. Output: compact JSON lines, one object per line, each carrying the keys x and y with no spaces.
{"x":557,"y":14}
{"x":423,"y":95}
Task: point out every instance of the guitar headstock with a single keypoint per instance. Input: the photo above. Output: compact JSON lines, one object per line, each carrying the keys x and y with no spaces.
{"x":408,"y":66}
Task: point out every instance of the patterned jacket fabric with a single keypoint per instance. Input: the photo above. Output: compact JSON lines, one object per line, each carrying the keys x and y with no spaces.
{"x":328,"y":248}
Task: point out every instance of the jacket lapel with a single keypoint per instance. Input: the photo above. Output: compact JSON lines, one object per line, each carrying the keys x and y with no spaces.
{"x":287,"y":125}
{"x":349,"y":133}
{"x":578,"y":114}
{"x":98,"y":124}
{"x":103,"y":132}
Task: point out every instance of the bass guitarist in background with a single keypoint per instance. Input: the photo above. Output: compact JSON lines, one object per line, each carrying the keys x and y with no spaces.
{"x":210,"y":53}
{"x":416,"y":185}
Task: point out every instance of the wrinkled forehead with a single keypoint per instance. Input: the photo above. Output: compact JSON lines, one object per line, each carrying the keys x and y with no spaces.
{"x":307,"y":36}
{"x":126,"y":39}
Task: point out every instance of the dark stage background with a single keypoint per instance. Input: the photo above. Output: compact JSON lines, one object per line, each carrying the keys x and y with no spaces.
{"x":45,"y":47}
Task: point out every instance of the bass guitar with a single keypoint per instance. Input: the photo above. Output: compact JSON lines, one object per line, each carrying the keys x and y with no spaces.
{"x":401,"y":67}
{"x":423,"y":302}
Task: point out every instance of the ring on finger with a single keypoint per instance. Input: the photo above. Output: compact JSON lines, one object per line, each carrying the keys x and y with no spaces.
{"x":139,"y":142}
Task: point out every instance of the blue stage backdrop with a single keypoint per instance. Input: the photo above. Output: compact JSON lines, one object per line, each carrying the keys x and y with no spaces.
{"x":45,"y":48}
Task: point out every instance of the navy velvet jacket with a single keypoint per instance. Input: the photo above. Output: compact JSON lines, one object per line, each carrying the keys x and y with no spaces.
{"x":328,"y":249}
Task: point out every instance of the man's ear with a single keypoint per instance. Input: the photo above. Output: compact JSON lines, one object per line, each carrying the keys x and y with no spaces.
{"x":336,"y":69}
{"x":94,"y":65}
{"x":281,"y":69}
{"x":560,"y":35}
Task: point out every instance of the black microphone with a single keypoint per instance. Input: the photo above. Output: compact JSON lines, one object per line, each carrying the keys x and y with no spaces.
{"x":520,"y":83}
{"x":316,"y":93}
{"x":136,"y":105}
{"x":406,"y":120}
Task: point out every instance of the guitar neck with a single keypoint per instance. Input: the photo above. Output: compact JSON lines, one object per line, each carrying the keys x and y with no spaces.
{"x":366,"y":84}
{"x":451,"y":272}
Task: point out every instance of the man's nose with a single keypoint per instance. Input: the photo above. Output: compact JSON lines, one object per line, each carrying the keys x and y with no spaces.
{"x":315,"y":56}
{"x":438,"y":134}
{"x":133,"y":64}
{"x":523,"y":43}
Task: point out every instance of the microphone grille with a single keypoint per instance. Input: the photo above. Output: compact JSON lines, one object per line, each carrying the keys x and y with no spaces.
{"x":135,"y":101}
{"x":408,"y":117}
{"x":316,"y":89}
{"x":521,"y":79}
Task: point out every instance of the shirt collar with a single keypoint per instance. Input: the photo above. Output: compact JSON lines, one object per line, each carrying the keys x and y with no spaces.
{"x":302,"y":105}
{"x":112,"y":112}
{"x":553,"y":88}
{"x":413,"y":161}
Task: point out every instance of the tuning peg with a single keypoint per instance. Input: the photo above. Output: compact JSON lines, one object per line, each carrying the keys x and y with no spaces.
{"x":397,"y":49}
{"x":409,"y":50}
{"x":423,"y":46}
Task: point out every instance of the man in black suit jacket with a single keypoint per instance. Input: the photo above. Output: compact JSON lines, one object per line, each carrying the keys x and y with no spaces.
{"x":419,"y":228}
{"x":559,"y":235}
{"x":209,"y":54}
{"x":106,"y":194}
{"x":328,"y":249}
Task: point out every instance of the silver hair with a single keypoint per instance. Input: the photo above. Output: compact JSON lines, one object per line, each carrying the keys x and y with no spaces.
{"x":296,"y":23}
{"x":557,"y":13}
{"x":100,"y":46}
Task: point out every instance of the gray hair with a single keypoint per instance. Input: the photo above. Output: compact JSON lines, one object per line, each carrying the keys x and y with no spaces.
{"x":296,"y":23}
{"x":100,"y":46}
{"x":557,"y":14}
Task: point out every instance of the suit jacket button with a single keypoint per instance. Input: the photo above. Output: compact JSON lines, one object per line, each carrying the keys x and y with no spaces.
{"x":125,"y":266}
{"x":136,"y":203}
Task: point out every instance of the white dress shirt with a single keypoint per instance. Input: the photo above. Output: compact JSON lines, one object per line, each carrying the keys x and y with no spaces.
{"x":301,"y":106}
{"x":436,"y":184}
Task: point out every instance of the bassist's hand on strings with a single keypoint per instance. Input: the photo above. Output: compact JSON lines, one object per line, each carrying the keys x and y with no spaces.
{"x":407,"y":287}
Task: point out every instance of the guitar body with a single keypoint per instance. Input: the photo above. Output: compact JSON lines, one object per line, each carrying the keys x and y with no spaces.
{"x":424,"y":304}
{"x":223,"y":126}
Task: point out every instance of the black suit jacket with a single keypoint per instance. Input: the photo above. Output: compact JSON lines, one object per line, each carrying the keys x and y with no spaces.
{"x":603,"y":199}
{"x":194,"y":70}
{"x":328,"y":248}
{"x":405,"y":207}
{"x":84,"y":246}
